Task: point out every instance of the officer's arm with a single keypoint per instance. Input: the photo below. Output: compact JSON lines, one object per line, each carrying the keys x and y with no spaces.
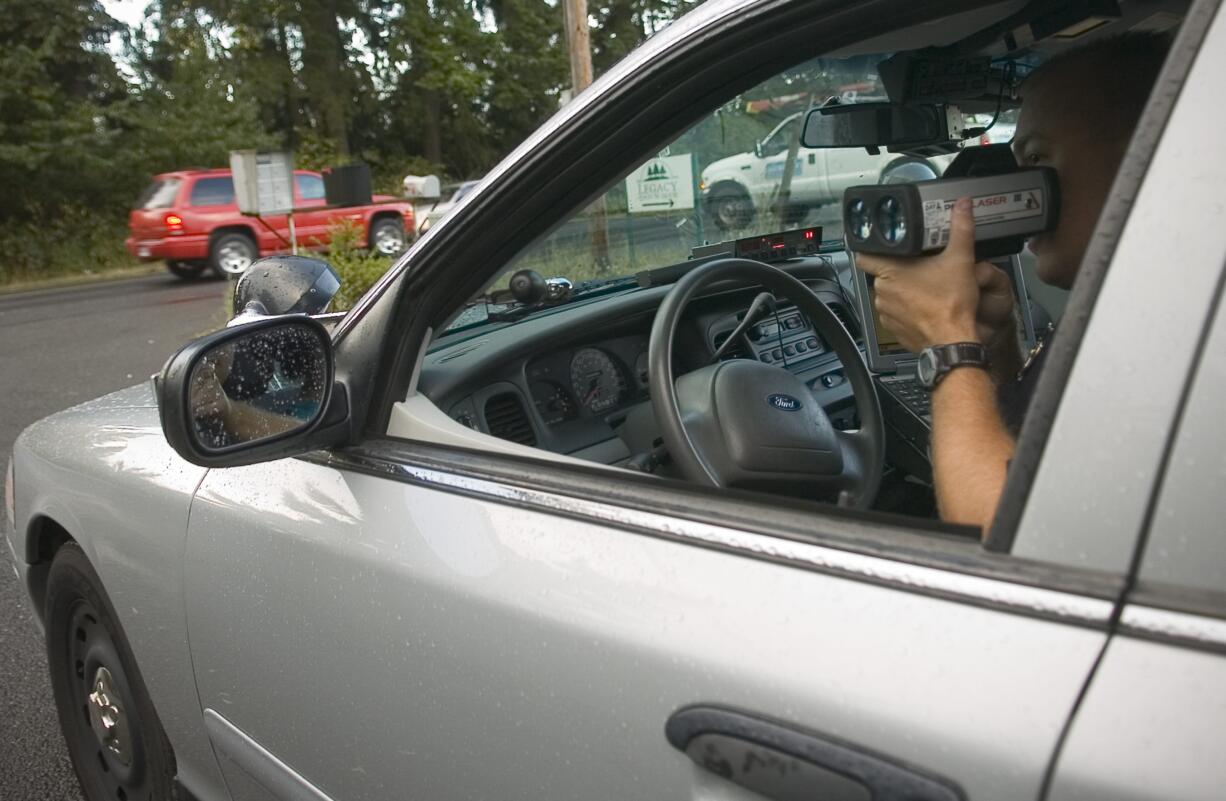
{"x":971,"y":448}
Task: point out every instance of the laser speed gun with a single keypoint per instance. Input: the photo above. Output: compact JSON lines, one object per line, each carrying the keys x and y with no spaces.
{"x":913,"y":219}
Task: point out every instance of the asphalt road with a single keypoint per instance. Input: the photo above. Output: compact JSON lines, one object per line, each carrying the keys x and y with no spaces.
{"x":59,"y":347}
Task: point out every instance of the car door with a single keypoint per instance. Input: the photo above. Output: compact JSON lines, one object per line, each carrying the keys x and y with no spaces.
{"x":312,"y":217}
{"x":406,"y":620}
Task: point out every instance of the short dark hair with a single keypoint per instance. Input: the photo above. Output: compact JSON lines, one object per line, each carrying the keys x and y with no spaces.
{"x":1122,"y":69}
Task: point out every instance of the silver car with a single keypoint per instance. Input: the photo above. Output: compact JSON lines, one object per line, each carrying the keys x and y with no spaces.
{"x":500,"y":532}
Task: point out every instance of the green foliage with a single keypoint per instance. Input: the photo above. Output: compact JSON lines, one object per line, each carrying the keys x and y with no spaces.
{"x":72,"y":242}
{"x":358,"y":269}
{"x":408,"y":86}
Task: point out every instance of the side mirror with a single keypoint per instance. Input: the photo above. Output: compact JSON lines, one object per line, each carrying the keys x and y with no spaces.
{"x":286,"y":285}
{"x":875,"y":125}
{"x":757,"y":149}
{"x":260,"y":391}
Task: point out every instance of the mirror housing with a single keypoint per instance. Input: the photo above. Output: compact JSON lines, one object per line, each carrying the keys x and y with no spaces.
{"x":889,"y":125}
{"x":277,"y":285}
{"x":256,"y":392}
{"x":758,"y":150}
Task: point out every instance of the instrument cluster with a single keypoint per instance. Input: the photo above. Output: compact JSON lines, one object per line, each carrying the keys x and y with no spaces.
{"x":591,"y":381}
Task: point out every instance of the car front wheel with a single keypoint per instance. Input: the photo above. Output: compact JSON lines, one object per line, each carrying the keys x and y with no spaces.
{"x":232,"y":254}
{"x":731,"y":208}
{"x":116,"y":742}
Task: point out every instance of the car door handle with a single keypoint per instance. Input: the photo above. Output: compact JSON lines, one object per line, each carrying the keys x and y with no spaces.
{"x":790,"y":764}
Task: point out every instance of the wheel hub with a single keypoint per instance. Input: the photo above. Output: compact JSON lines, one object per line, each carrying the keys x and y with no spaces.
{"x":388,"y":242}
{"x":107,"y":718}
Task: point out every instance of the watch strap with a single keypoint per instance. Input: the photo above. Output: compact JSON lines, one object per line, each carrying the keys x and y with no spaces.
{"x":954,"y":355}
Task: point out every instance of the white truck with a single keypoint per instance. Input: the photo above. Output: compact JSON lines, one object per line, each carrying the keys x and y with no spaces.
{"x":736,"y":187}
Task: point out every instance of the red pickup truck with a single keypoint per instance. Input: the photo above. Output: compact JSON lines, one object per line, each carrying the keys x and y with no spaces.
{"x":190,"y":219}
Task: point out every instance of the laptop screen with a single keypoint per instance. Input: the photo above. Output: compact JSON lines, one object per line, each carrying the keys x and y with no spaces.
{"x":883,"y":351}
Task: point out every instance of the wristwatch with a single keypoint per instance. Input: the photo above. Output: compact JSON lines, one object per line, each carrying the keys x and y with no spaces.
{"x":935,"y":362}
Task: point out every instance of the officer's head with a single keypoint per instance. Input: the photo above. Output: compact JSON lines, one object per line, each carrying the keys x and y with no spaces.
{"x":1078,"y":113}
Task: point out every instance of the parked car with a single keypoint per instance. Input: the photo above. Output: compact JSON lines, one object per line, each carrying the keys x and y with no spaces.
{"x":432,"y":213}
{"x":735,"y":188}
{"x":555,"y":549}
{"x":190,"y":219}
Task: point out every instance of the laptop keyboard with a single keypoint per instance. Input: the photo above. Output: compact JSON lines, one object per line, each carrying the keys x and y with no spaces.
{"x":910,"y":392}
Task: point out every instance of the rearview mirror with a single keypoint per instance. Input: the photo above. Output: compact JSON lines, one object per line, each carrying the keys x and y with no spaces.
{"x":251,"y":393}
{"x":874,"y":125}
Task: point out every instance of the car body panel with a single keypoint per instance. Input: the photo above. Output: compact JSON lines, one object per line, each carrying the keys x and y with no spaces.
{"x":88,"y":469}
{"x":544,"y":654}
{"x":1161,"y":704}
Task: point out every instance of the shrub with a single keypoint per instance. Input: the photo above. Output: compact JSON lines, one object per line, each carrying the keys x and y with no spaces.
{"x":71,"y":242}
{"x":358,"y":268}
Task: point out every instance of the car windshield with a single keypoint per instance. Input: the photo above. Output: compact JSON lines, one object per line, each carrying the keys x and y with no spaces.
{"x":729,"y":176}
{"x":159,"y":195}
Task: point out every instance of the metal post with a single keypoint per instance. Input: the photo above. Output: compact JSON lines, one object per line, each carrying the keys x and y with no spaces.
{"x":696,"y":179}
{"x":630,"y":236}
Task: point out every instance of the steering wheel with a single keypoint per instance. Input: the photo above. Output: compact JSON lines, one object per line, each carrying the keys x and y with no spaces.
{"x":748,"y":424}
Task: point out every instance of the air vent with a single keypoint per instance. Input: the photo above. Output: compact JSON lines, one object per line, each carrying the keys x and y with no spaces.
{"x":846,"y":319}
{"x":506,"y":418}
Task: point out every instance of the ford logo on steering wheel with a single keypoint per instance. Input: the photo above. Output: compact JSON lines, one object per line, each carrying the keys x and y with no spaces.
{"x":785,"y":402}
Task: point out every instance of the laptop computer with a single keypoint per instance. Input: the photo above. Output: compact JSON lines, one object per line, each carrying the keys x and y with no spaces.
{"x":904,"y":401}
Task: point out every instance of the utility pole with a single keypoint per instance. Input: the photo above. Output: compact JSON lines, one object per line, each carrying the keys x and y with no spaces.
{"x":578,"y":43}
{"x":579,"y":46}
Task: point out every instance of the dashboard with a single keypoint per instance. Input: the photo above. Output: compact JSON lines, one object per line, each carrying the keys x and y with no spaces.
{"x":573,"y":379}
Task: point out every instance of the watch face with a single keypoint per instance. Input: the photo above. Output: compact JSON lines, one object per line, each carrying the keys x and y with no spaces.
{"x":926,"y":367}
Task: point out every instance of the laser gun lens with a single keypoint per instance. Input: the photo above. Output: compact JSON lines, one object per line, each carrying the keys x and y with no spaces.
{"x":858,"y":217}
{"x":891,"y":220}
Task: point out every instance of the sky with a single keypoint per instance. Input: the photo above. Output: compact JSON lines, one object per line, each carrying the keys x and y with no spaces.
{"x":131,"y":12}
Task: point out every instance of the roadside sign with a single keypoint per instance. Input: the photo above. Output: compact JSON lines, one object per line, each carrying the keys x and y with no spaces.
{"x":662,"y":184}
{"x":263,"y":182}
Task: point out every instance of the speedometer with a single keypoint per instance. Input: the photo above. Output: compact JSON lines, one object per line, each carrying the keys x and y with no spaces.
{"x":596,"y":380}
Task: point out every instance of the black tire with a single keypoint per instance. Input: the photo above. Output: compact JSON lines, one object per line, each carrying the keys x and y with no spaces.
{"x":387,"y":236}
{"x":730,"y":207}
{"x":136,"y":762}
{"x":231,"y":254}
{"x":187,"y":270}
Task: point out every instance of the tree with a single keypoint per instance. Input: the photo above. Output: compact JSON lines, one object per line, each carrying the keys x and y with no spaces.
{"x":55,"y":80}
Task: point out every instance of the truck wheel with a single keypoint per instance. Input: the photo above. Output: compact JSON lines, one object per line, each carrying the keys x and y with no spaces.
{"x":907,"y":171}
{"x":186,"y":270}
{"x":117,"y":744}
{"x":231,"y":254}
{"x":386,"y":236}
{"x":730,"y":207}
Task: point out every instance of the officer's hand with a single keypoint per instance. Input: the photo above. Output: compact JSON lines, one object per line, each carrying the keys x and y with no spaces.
{"x":994,"y":319}
{"x":932,"y":300}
